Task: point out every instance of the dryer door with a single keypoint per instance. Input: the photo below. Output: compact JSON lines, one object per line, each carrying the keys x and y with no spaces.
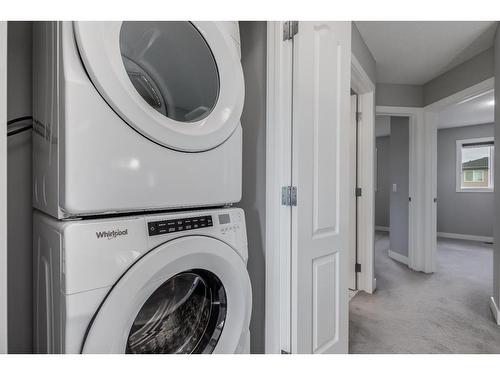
{"x":189,"y":295}
{"x":180,"y":84}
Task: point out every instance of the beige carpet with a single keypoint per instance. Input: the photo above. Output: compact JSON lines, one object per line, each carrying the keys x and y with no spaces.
{"x":411,"y":312}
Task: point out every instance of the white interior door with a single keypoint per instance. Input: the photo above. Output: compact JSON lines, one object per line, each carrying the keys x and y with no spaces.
{"x":320,"y":171}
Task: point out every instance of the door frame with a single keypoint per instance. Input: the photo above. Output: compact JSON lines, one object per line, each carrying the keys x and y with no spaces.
{"x":420,"y":256}
{"x":365,"y":89}
{"x":278,"y":174}
{"x":431,"y":123}
{"x":423,"y":167}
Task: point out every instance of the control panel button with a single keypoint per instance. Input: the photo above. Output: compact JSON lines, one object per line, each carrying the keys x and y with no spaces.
{"x":179,"y":225}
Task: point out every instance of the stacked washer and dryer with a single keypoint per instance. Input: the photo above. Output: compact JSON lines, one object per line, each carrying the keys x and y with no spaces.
{"x":137,"y":161}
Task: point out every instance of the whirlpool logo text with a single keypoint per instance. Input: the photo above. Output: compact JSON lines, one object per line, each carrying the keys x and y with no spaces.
{"x":111,"y":234}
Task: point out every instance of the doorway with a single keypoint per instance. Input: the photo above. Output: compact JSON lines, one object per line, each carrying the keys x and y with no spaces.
{"x":392,"y":195}
{"x":354,"y":263}
{"x":362,"y":178}
{"x":362,"y":181}
{"x":463,"y":178}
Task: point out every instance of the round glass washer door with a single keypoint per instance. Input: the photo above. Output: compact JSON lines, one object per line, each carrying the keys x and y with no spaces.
{"x":189,"y":295}
{"x":180,"y":84}
{"x":185,"y":315}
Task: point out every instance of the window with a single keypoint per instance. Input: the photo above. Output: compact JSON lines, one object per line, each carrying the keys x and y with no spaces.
{"x":475,"y":164}
{"x":478,"y":176}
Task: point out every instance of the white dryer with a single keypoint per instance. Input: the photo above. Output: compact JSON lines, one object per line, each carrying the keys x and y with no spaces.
{"x":173,"y":283}
{"x":132,"y":116}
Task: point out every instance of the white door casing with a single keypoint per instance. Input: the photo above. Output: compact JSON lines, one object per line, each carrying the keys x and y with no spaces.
{"x":365,"y":89}
{"x":278,"y":174}
{"x":421,"y":137}
{"x":320,"y":221}
{"x":430,"y":124}
{"x":352,"y":197}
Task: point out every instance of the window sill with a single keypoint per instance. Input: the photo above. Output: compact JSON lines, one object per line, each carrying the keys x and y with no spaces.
{"x":474,"y":190}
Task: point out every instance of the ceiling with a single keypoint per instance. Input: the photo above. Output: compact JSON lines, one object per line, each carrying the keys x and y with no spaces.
{"x":473,"y":111}
{"x":414,"y":52}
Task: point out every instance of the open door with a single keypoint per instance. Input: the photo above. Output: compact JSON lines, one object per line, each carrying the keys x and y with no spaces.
{"x":320,"y":172}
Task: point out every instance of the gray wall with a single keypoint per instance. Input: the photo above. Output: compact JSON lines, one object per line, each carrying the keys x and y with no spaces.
{"x":399,"y":95}
{"x":382,"y":125}
{"x":19,"y":224}
{"x":467,"y":74}
{"x":399,"y":175}
{"x":382,"y":196}
{"x":496,"y":233}
{"x":461,"y":213}
{"x":19,"y":69}
{"x":253,"y":48}
{"x":362,"y":53}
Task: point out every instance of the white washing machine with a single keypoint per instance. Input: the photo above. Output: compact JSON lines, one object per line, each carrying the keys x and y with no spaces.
{"x":170,"y":283}
{"x":132,"y":116}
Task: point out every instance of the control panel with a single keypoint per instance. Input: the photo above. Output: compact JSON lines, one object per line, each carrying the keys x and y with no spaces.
{"x":179,"y":225}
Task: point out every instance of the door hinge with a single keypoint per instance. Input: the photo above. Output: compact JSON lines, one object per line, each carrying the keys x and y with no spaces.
{"x":289,"y":196}
{"x":357,"y":267}
{"x":358,"y":192}
{"x":290,"y":29}
{"x":283,"y":351}
{"x":359,"y":116}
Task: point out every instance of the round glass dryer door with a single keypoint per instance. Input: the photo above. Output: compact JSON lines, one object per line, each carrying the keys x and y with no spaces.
{"x":185,"y":315}
{"x":189,"y":295}
{"x":180,"y":84}
{"x":172,"y":67}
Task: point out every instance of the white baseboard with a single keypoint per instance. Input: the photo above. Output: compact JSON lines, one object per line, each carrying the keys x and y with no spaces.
{"x":398,"y":257}
{"x":465,"y":237}
{"x":495,"y":310}
{"x":352,"y":293}
{"x":381,"y":228}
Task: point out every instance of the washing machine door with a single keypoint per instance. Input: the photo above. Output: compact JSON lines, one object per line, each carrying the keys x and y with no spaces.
{"x":189,"y":295}
{"x":180,"y":84}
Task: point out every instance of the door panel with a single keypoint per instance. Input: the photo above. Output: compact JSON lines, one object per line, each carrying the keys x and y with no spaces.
{"x":320,"y":221}
{"x":324,"y":95}
{"x":325,"y":301}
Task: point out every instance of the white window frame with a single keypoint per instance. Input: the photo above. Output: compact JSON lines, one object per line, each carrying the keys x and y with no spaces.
{"x":458,"y":172}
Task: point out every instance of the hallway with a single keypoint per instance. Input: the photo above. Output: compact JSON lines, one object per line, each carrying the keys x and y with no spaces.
{"x":412,"y":312}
